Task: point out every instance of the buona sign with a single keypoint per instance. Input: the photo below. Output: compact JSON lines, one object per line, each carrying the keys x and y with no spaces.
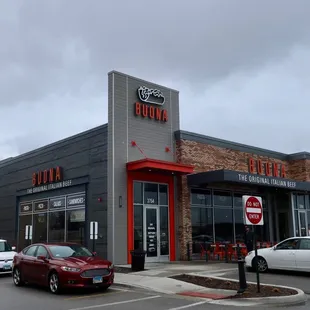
{"x":47,"y":176}
{"x":269,"y":169}
{"x":146,"y":109}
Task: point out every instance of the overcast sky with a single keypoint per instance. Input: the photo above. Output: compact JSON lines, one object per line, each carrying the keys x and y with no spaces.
{"x":242,"y":67}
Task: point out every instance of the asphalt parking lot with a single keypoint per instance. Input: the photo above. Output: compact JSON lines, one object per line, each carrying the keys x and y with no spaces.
{"x":33,"y":298}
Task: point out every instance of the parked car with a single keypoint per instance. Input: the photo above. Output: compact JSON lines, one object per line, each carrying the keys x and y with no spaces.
{"x":62,"y":265}
{"x":6,"y":256}
{"x":290,"y":254}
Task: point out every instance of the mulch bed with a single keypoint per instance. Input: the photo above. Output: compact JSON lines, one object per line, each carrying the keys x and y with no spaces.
{"x":124,"y":270}
{"x":251,"y":291}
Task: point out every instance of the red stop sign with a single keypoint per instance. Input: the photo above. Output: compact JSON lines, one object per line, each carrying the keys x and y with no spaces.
{"x":253,"y":210}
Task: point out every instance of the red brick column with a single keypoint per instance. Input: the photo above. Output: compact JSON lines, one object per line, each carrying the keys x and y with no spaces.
{"x":184,"y":218}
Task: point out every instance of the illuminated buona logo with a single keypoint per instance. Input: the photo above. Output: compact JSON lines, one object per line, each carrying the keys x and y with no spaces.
{"x":150,"y":95}
{"x":149,"y":98}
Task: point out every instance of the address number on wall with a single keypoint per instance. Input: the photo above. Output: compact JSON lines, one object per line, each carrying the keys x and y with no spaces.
{"x":150,"y":200}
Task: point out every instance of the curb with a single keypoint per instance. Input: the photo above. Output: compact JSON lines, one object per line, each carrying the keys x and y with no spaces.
{"x":299,"y":299}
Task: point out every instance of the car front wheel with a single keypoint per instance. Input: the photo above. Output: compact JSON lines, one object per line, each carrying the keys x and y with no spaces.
{"x":260,"y":264}
{"x":53,"y":283}
{"x":17,"y":278}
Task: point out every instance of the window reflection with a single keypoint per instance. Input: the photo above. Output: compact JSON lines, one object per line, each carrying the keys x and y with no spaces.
{"x":151,"y":193}
{"x":163,"y":195}
{"x":39,"y":228}
{"x":56,"y":223}
{"x":138,"y":227}
{"x":76,"y":226}
{"x":164,"y":231}
{"x":202,"y":227}
{"x":222,"y":199}
{"x":201,"y":197}
{"x":239,"y":225}
{"x":223,"y":221}
{"x":23,"y":222}
{"x":138,"y":192}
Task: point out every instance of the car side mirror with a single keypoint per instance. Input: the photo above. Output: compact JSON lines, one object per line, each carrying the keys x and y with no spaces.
{"x":13,"y":248}
{"x":94,"y":253}
{"x":40,"y":257}
{"x":274,"y":248}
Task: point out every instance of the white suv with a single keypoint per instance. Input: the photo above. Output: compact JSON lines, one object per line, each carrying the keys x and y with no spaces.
{"x":6,"y":257}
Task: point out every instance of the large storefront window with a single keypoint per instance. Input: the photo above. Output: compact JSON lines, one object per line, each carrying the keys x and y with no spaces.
{"x":151,"y":219}
{"x":218,"y":217}
{"x":76,"y":226}
{"x":39,"y":227}
{"x":24,"y":220}
{"x":301,"y":205}
{"x":57,"y":219}
{"x":56,"y":225}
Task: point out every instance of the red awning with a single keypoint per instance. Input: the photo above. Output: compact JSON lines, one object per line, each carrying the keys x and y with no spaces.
{"x":147,"y":164}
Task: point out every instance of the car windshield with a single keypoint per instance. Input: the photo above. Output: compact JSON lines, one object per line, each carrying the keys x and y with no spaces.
{"x":63,"y":251}
{"x":5,"y":247}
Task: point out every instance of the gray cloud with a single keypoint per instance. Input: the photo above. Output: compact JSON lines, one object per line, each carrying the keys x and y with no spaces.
{"x":228,"y":58}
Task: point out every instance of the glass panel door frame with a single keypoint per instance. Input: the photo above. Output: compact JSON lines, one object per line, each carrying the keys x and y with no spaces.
{"x":159,"y":257}
{"x":302,"y":213}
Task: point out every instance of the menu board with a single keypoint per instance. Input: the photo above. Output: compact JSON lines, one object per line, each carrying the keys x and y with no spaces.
{"x":25,"y":207}
{"x":58,"y":202}
{"x":41,"y":205}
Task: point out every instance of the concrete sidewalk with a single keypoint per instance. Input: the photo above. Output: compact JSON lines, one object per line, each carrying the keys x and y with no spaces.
{"x":171,"y":269}
{"x":156,"y":278}
{"x":165,"y":285}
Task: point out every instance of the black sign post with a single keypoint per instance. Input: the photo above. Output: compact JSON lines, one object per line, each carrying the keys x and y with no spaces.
{"x":256,"y":260}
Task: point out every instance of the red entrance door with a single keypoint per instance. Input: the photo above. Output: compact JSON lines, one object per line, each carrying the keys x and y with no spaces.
{"x":157,"y":178}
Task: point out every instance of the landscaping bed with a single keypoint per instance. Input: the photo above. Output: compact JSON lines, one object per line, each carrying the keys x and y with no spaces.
{"x":251,"y":291}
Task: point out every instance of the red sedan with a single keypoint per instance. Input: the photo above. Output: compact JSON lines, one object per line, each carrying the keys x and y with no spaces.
{"x":60,"y":266}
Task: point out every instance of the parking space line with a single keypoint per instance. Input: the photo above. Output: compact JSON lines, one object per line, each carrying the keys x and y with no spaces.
{"x":116,"y":303}
{"x":95,"y":295}
{"x":190,"y":305}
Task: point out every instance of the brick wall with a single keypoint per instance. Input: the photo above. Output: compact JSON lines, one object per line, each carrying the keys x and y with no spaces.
{"x":205,"y":157}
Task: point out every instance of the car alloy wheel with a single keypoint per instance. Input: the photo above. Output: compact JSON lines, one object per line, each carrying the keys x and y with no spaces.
{"x":261,"y":264}
{"x":17,"y":277}
{"x":54,"y":283}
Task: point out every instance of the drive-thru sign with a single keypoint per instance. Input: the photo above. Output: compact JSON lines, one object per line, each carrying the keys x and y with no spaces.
{"x":253,"y":210}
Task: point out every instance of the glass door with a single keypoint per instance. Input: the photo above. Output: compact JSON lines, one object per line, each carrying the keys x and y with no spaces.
{"x":302,"y":218}
{"x":151,"y":233}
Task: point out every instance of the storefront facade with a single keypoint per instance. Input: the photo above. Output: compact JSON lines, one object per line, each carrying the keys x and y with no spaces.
{"x":57,"y":190}
{"x":149,"y":184}
{"x":211,"y":204}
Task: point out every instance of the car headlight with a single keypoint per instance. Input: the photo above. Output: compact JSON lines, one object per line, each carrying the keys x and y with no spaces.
{"x":70,"y":269}
{"x":111,"y":266}
{"x":250,"y":253}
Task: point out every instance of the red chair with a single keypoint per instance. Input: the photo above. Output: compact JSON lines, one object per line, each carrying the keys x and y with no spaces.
{"x":203,"y":252}
{"x":218,"y":251}
{"x":231,"y":252}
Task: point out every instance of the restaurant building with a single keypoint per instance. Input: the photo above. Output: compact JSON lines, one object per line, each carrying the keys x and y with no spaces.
{"x":149,"y":184}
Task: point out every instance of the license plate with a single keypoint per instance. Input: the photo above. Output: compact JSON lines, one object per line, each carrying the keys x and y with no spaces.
{"x":97,"y":279}
{"x":7,"y":267}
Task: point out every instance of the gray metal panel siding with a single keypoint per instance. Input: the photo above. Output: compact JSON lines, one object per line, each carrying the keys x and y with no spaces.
{"x":151,"y":136}
{"x":81,"y":155}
